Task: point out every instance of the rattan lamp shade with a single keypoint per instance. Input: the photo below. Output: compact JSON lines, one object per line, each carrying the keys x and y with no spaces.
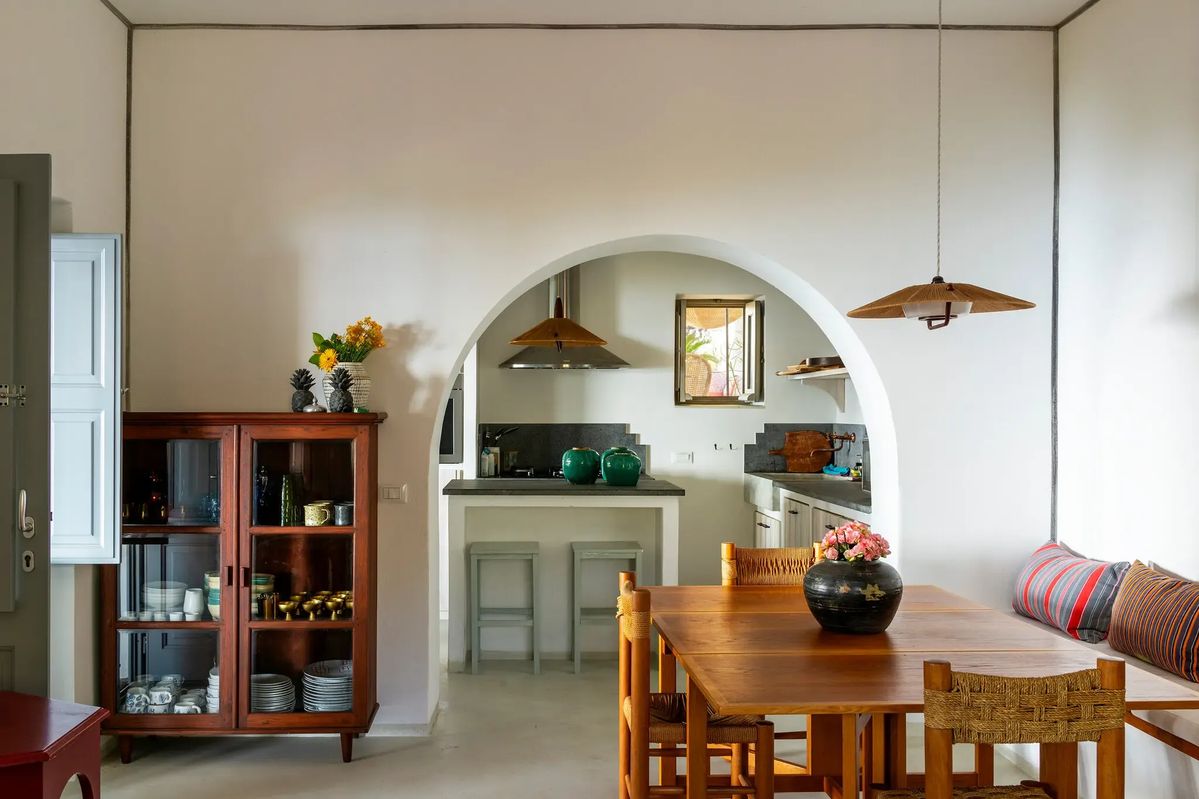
{"x":938,"y":302}
{"x":558,"y":332}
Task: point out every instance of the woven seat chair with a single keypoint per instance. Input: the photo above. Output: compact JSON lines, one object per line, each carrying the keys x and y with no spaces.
{"x":656,"y":718}
{"x":960,"y":707}
{"x":779,"y":566}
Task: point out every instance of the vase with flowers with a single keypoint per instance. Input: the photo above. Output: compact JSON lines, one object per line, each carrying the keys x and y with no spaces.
{"x":850,"y":589}
{"x":348,"y":351}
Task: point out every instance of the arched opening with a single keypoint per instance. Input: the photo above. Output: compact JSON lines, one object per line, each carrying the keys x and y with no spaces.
{"x":871,"y":394}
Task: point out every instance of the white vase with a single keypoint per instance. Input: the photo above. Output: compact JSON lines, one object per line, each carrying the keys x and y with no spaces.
{"x":360,"y":390}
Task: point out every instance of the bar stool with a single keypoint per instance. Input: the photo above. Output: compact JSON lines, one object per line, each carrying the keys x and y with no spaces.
{"x":481,"y":617}
{"x":595,"y":550}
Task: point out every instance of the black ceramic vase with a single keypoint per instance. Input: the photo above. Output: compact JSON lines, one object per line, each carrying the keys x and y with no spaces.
{"x":853,"y":596}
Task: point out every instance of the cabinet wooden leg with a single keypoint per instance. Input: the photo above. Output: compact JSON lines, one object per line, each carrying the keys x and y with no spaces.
{"x":347,"y":747}
{"x":125,"y":747}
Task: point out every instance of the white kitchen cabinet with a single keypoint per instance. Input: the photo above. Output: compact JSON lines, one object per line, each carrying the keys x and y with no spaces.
{"x":85,"y":397}
{"x":768,"y":530}
{"x":824,"y":520}
{"x":797,"y":522}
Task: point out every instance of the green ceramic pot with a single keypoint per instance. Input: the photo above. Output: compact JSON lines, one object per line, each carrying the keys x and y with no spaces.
{"x":581,"y":465}
{"x":620,"y":466}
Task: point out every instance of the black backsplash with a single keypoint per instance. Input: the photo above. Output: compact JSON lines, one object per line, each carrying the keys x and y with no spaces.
{"x":541,"y":445}
{"x":759,"y":459}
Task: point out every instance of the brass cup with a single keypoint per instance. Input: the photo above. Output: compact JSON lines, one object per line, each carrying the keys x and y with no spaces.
{"x":322,"y":595}
{"x":333,"y":605}
{"x":313,"y":608}
{"x":349,"y":603}
{"x":298,"y":598}
{"x":288,"y":606}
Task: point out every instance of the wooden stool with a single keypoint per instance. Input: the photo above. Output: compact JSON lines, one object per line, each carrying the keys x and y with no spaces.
{"x":595,"y":550}
{"x":481,"y":617}
{"x":44,"y":742}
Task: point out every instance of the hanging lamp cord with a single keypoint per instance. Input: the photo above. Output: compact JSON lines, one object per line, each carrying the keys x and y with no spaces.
{"x":940,"y":23}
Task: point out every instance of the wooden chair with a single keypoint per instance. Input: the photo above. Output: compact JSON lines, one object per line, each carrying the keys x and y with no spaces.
{"x":1056,"y":712}
{"x":659,"y":718}
{"x":780,"y":566}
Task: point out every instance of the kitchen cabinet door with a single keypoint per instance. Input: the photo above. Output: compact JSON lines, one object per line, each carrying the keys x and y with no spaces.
{"x":797,"y":523}
{"x":823,"y":521}
{"x":767,"y":531}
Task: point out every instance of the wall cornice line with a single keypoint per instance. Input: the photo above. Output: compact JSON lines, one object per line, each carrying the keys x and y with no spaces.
{"x":117,"y":13}
{"x":632,"y":26}
{"x":1078,"y":12}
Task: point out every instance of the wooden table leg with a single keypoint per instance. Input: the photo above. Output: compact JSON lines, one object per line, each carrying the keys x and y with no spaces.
{"x":668,"y":767}
{"x":1059,"y":769}
{"x":868,"y":760}
{"x":896,"y":750}
{"x":697,"y":741}
{"x":984,"y":763}
{"x":849,"y":756}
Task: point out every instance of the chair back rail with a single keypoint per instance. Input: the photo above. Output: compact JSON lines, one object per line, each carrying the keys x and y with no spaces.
{"x":774,"y":566}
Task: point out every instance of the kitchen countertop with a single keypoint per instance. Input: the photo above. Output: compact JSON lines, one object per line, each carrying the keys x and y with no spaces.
{"x":846,"y":493}
{"x":525,"y":486}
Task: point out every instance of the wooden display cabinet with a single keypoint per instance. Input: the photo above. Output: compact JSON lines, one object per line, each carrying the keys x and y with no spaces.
{"x":203,"y":508}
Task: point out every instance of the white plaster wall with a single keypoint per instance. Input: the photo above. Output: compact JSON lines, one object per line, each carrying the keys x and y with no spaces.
{"x":291,"y":181}
{"x":1130,"y":304}
{"x":630,"y":301}
{"x":62,"y":88}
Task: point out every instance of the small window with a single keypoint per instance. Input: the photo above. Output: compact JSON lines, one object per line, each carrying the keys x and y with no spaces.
{"x":718,"y":351}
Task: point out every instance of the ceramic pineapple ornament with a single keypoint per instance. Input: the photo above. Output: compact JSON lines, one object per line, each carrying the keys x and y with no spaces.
{"x":302,"y":381}
{"x":340,"y":399}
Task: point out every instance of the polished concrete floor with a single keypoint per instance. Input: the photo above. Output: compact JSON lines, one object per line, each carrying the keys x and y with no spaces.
{"x":502,"y":733}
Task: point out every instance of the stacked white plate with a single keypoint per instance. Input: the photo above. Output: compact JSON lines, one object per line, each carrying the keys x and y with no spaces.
{"x":165,"y":595}
{"x":213,"y":694}
{"x":329,"y":686}
{"x":271,"y":693}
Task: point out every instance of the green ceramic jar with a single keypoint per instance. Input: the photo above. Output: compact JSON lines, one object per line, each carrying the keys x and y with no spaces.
{"x":620,"y":466}
{"x":581,"y":465}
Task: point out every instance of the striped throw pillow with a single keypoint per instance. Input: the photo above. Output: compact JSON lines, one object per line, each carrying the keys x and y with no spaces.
{"x":1059,"y":588}
{"x":1156,"y":618}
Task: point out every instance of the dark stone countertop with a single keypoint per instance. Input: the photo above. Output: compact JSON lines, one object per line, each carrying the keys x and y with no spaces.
{"x":846,"y":493}
{"x":516,"y":487}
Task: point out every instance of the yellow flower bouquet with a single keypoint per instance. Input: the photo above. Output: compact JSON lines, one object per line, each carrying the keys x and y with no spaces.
{"x":360,"y":340}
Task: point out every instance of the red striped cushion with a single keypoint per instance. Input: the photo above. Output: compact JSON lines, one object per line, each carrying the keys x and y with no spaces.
{"x":1071,"y":593}
{"x":1156,"y":618}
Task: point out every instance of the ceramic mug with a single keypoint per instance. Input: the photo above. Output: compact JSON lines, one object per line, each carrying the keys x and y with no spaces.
{"x":343,"y":514}
{"x":193,"y":600}
{"x":318,"y":514}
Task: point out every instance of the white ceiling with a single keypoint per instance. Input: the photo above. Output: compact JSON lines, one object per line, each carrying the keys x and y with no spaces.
{"x":739,"y":12}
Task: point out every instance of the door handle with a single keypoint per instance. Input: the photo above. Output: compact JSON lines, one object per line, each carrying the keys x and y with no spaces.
{"x":245,"y":576}
{"x":24,"y":521}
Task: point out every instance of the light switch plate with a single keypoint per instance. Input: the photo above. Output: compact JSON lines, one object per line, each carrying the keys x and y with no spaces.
{"x":394,"y":493}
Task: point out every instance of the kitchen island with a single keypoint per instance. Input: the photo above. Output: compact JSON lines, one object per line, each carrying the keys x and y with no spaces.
{"x":554,"y":513}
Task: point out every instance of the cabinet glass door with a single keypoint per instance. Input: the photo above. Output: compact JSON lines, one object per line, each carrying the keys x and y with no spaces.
{"x":173,"y":590}
{"x":300,"y":578}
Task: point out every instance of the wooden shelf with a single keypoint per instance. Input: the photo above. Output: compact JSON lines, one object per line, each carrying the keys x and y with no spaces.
{"x":169,"y":529}
{"x":832,"y":381}
{"x":302,"y":624}
{"x":168,"y":625}
{"x":327,"y":529}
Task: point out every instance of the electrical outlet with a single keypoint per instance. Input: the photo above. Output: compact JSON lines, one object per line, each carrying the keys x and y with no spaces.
{"x":394,"y":493}
{"x":682,"y":457}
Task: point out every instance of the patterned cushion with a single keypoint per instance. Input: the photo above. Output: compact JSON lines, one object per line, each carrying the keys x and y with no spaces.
{"x":1156,"y":618}
{"x":1069,"y":592}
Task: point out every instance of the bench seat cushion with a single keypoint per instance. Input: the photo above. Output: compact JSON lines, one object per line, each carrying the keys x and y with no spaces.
{"x":1156,"y":619}
{"x":1072,"y":593}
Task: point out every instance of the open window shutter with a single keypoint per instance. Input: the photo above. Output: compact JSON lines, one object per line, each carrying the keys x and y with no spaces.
{"x":753,"y":352}
{"x":680,"y":352}
{"x":85,"y":393}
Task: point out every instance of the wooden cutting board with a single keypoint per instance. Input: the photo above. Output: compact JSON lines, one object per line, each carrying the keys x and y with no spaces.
{"x":799,"y":448}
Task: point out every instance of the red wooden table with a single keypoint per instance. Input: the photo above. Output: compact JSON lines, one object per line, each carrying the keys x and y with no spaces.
{"x":44,"y":742}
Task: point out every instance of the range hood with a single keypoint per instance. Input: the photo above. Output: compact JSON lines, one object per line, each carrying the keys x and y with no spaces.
{"x":560,"y":342}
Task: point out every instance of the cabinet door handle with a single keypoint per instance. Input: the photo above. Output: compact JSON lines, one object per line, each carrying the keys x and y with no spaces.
{"x":829,"y":527}
{"x":763,"y":524}
{"x":793,"y":512}
{"x":245,"y":576}
{"x":228,"y":576}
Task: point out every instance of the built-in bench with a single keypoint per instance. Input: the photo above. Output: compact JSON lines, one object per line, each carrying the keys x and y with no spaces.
{"x":1176,"y":728}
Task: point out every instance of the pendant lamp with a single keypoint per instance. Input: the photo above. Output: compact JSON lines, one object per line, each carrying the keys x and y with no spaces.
{"x":938,"y":302}
{"x":558,"y":331}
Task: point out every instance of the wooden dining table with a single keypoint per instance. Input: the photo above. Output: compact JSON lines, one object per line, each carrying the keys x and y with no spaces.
{"x":758,"y":650}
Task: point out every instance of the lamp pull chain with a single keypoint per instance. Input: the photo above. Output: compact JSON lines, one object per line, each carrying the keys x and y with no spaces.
{"x":940,"y":22}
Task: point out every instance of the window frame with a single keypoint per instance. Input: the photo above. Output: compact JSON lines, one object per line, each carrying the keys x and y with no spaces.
{"x":755,"y":314}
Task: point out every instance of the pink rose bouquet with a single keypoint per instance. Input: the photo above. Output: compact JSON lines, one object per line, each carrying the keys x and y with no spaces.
{"x":854,"y":541}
